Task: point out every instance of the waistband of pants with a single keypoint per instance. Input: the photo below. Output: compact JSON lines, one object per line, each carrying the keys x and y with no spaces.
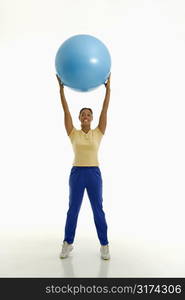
{"x":85,"y":167}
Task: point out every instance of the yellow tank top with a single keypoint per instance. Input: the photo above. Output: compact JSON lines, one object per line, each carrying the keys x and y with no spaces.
{"x":85,"y":146}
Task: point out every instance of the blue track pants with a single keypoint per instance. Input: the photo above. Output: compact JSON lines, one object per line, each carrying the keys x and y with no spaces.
{"x":79,"y":179}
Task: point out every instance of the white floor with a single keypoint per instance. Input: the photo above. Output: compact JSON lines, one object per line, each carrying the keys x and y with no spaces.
{"x":29,"y":253}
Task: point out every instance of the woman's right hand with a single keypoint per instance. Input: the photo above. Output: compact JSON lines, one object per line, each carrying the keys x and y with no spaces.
{"x":60,"y":82}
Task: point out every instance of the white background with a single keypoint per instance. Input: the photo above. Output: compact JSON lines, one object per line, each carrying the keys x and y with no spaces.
{"x":141,"y":154}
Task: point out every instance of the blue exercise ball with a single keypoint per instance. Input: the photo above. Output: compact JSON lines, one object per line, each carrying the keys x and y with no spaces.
{"x":83,"y":62}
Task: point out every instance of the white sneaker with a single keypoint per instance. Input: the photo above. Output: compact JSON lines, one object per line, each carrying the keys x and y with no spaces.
{"x":66,"y":248}
{"x":105,"y":252}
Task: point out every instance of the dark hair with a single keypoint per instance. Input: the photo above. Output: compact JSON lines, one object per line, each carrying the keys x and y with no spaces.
{"x":86,"y":108}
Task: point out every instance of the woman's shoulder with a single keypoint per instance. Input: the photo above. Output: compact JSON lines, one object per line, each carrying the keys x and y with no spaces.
{"x":97,"y":129}
{"x":72,"y":131}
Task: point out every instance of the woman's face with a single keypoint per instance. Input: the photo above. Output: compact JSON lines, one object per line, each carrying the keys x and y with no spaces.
{"x":85,"y":117}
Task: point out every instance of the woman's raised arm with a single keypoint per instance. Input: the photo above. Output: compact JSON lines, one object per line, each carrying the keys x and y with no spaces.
{"x":103,"y":116}
{"x":67,"y":115}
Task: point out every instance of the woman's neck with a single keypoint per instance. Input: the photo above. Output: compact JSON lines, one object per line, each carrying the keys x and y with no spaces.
{"x":85,"y":128}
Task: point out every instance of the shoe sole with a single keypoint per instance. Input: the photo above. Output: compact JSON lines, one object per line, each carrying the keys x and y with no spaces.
{"x":105,"y":258}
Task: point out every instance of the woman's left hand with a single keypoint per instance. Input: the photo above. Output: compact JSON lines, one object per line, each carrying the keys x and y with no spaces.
{"x":107,"y":83}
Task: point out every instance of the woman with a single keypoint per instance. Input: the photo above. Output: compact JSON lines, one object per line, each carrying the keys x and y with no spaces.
{"x":85,"y":172}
